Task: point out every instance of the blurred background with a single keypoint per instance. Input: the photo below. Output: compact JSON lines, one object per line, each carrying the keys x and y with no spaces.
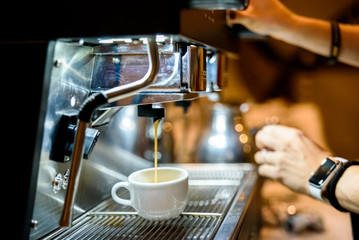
{"x":280,"y":83}
{"x":300,"y":88}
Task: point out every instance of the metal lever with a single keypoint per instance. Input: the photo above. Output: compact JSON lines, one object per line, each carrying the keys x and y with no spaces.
{"x":64,"y":135}
{"x":86,"y":110}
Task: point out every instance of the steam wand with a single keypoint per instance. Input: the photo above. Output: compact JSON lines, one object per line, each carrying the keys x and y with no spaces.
{"x":86,"y":110}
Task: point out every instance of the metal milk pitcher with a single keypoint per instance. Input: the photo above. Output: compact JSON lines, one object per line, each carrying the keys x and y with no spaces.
{"x":226,"y":138}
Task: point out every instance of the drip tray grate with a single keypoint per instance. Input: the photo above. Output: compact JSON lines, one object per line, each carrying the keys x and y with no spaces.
{"x":200,"y":219}
{"x":131,"y":226}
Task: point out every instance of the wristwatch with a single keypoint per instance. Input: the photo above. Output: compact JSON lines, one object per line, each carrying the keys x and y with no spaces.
{"x":320,"y":178}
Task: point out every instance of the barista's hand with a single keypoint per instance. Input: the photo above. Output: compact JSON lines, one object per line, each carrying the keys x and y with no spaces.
{"x":288,"y":156}
{"x":267,"y":17}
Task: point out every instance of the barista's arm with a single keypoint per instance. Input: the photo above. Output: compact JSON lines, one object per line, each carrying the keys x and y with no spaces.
{"x":347,"y":190}
{"x":271,"y":17}
{"x":290,"y":157}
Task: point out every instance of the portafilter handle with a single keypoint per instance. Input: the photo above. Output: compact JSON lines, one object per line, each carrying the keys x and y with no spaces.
{"x":86,"y":110}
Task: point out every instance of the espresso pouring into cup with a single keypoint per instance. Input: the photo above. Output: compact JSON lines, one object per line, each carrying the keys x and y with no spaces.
{"x":163,"y":200}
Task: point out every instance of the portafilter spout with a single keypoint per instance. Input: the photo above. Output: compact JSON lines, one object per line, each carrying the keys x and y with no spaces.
{"x":91,"y":103}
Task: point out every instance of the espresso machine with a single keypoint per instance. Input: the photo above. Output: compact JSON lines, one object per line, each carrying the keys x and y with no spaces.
{"x":73,"y":78}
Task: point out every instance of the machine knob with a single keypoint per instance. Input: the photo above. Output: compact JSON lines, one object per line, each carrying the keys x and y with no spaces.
{"x":64,"y":135}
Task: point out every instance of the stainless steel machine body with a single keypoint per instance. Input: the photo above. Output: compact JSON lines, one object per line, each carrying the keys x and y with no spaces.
{"x":76,"y":68}
{"x":74,"y":75}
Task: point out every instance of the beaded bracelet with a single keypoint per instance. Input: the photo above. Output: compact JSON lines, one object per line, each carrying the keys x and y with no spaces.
{"x":336,"y":41}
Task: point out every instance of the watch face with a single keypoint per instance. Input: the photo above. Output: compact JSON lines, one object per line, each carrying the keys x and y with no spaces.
{"x":323,"y":172}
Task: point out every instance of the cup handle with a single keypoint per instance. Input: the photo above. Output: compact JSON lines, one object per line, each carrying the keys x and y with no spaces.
{"x":118,"y":199}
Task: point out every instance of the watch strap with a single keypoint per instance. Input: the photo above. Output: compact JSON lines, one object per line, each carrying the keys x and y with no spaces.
{"x":316,"y":192}
{"x":329,"y":194}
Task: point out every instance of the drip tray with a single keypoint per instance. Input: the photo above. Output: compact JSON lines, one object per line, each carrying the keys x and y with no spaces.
{"x":217,"y":200}
{"x":131,"y":226}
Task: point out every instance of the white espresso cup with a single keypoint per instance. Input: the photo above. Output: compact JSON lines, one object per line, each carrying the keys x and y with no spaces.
{"x":163,"y":200}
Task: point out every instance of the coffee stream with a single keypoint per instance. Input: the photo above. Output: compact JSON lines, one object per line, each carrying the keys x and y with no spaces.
{"x":156,"y":127}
